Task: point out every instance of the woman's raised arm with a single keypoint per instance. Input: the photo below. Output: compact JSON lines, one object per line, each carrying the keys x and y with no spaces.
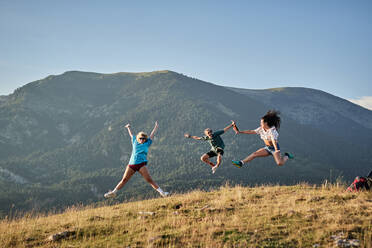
{"x":154,"y":130}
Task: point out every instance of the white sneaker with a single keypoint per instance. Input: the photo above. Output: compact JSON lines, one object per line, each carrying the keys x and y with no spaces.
{"x":164,"y":194}
{"x":110,"y":194}
{"x":214,"y":168}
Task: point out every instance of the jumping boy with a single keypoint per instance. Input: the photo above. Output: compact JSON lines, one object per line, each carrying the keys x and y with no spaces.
{"x":217,"y":145}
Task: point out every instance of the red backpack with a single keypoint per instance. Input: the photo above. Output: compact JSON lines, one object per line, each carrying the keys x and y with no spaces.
{"x":359,"y":184}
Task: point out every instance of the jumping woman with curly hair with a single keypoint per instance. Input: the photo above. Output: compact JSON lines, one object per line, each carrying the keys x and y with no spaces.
{"x":270,"y":123}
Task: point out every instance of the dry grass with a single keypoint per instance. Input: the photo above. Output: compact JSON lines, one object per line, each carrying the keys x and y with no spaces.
{"x":267,"y":216}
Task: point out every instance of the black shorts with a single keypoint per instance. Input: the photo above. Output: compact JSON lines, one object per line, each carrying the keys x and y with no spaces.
{"x":213,"y":153}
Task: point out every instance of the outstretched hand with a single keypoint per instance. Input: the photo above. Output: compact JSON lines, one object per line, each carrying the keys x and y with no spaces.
{"x":127,"y":126}
{"x":236,"y":130}
{"x":187,"y":135}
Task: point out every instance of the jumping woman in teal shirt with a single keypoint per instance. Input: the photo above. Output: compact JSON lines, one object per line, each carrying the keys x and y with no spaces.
{"x":138,"y":161}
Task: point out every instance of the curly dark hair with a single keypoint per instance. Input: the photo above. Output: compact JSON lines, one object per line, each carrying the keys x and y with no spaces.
{"x":272,"y":118}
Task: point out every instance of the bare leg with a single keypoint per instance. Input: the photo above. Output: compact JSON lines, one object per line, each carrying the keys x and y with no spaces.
{"x":219,"y":159}
{"x":259,"y":153}
{"x":205,"y":159}
{"x":127,"y":175}
{"x":279,"y":159}
{"x":146,"y":175}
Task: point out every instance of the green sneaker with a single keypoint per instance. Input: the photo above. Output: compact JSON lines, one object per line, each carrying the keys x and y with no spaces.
{"x":290,"y":156}
{"x":237,"y":163}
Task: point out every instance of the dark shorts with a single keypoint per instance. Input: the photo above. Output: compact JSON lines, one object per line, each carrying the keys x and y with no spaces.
{"x":271,"y":149}
{"x":137,"y":167}
{"x":213,"y":153}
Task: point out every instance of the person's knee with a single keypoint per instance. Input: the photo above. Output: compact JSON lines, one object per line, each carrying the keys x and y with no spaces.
{"x":203,"y":158}
{"x":124,"y":179}
{"x":254,"y":155}
{"x":148,"y":179}
{"x":280,"y":163}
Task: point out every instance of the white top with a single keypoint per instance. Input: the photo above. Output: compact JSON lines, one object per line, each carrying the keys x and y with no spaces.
{"x":267,"y":135}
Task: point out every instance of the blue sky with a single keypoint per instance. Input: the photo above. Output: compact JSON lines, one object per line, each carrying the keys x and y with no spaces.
{"x":325,"y":44}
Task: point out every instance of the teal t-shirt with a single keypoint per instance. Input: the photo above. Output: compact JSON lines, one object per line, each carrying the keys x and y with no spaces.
{"x":216,"y":140}
{"x":139,"y":152}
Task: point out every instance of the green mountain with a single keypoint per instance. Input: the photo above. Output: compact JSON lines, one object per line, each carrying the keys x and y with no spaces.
{"x":62,"y":140}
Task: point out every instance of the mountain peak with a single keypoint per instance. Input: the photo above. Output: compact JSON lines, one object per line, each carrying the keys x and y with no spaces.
{"x":119,"y":73}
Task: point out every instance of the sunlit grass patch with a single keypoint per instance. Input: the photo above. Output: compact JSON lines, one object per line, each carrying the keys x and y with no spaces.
{"x":263,"y":216}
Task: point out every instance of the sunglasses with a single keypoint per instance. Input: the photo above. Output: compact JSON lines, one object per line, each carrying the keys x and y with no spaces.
{"x":142,"y":138}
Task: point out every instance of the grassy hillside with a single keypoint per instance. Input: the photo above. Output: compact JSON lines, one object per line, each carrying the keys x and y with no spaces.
{"x":263,"y":216}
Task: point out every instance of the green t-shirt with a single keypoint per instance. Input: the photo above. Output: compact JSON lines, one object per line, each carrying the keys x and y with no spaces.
{"x":216,"y":140}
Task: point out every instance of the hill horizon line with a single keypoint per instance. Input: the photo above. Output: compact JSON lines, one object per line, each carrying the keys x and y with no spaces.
{"x":150,"y":73}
